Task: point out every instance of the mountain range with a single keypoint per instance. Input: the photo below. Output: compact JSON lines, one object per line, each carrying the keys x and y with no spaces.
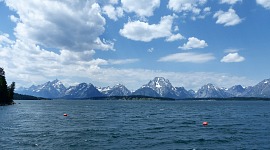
{"x":158,"y":87}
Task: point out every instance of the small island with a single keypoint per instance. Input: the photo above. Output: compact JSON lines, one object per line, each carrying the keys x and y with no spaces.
{"x":6,"y":92}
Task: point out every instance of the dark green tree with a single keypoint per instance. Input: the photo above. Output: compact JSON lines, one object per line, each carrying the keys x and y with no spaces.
{"x":2,"y":72}
{"x":11,"y":89}
{"x":6,"y":94}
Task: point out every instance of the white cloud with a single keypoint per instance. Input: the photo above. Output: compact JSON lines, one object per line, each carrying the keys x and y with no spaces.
{"x":231,"y":50}
{"x":175,"y":37}
{"x":194,"y":43}
{"x":4,"y":40}
{"x":14,"y":19}
{"x":150,"y":50}
{"x":113,"y":13}
{"x":176,"y":28}
{"x":186,"y":5}
{"x":122,"y":61}
{"x":71,"y":25}
{"x":207,"y":9}
{"x":231,"y":2}
{"x":143,"y":31}
{"x":232,"y":57}
{"x":264,"y":3}
{"x":27,"y":62}
{"x":143,"y":8}
{"x":188,"y":57}
{"x":189,"y":7}
{"x":113,"y":1}
{"x":229,"y":18}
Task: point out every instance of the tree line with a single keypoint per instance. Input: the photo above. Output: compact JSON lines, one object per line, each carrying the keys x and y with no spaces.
{"x":6,"y":92}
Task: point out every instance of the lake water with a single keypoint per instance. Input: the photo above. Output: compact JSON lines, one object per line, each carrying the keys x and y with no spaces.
{"x":135,"y":125}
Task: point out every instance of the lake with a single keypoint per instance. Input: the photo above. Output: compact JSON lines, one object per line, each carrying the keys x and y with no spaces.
{"x":135,"y":125}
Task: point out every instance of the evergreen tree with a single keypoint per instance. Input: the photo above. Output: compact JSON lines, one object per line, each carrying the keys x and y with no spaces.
{"x":3,"y":90}
{"x":6,"y":94}
{"x":2,"y":72}
{"x":11,"y":89}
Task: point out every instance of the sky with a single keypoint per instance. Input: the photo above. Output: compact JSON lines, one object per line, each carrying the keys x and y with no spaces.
{"x":108,"y":42}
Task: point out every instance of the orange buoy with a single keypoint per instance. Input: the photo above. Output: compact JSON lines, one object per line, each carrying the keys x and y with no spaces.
{"x":65,"y":115}
{"x":205,"y":123}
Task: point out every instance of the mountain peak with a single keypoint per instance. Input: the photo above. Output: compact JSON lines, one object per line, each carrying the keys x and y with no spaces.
{"x":162,"y":86}
{"x":266,"y":81}
{"x":210,"y":91}
{"x":117,"y":90}
{"x":55,"y":81}
{"x":210,"y":85}
{"x":159,"y":79}
{"x":159,"y":82}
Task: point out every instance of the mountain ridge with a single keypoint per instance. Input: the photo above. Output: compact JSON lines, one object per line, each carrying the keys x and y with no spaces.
{"x":158,"y":87}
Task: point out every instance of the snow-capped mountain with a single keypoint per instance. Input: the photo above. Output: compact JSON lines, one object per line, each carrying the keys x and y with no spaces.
{"x":51,"y":89}
{"x":210,"y":91}
{"x":55,"y":89}
{"x":181,"y":92}
{"x":82,"y":90}
{"x":163,"y":87}
{"x":237,"y":90}
{"x":117,"y":90}
{"x":262,"y":89}
{"x":158,"y":87}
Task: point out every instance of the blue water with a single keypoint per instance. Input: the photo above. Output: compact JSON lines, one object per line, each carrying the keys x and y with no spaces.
{"x":135,"y":125}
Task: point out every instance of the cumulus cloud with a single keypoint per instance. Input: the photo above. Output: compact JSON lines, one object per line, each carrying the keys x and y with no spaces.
{"x":176,"y":28}
{"x":188,"y":57}
{"x":232,"y":57}
{"x":264,"y":3}
{"x":14,"y":19}
{"x":26,"y":62}
{"x":231,"y":2}
{"x":4,"y":40}
{"x":143,"y":8}
{"x":188,"y":6}
{"x":175,"y":37}
{"x":194,"y":43}
{"x":229,"y":18}
{"x":112,"y":12}
{"x":143,"y":31}
{"x":71,"y":25}
{"x":206,"y":11}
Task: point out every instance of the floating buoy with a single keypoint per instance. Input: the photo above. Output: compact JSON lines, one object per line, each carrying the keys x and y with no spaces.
{"x":205,"y":123}
{"x":65,"y":115}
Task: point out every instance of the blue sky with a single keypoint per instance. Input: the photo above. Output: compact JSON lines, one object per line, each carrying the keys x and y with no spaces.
{"x":106,"y":42}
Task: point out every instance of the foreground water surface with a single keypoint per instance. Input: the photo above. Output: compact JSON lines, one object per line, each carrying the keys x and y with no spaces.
{"x":135,"y":125}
